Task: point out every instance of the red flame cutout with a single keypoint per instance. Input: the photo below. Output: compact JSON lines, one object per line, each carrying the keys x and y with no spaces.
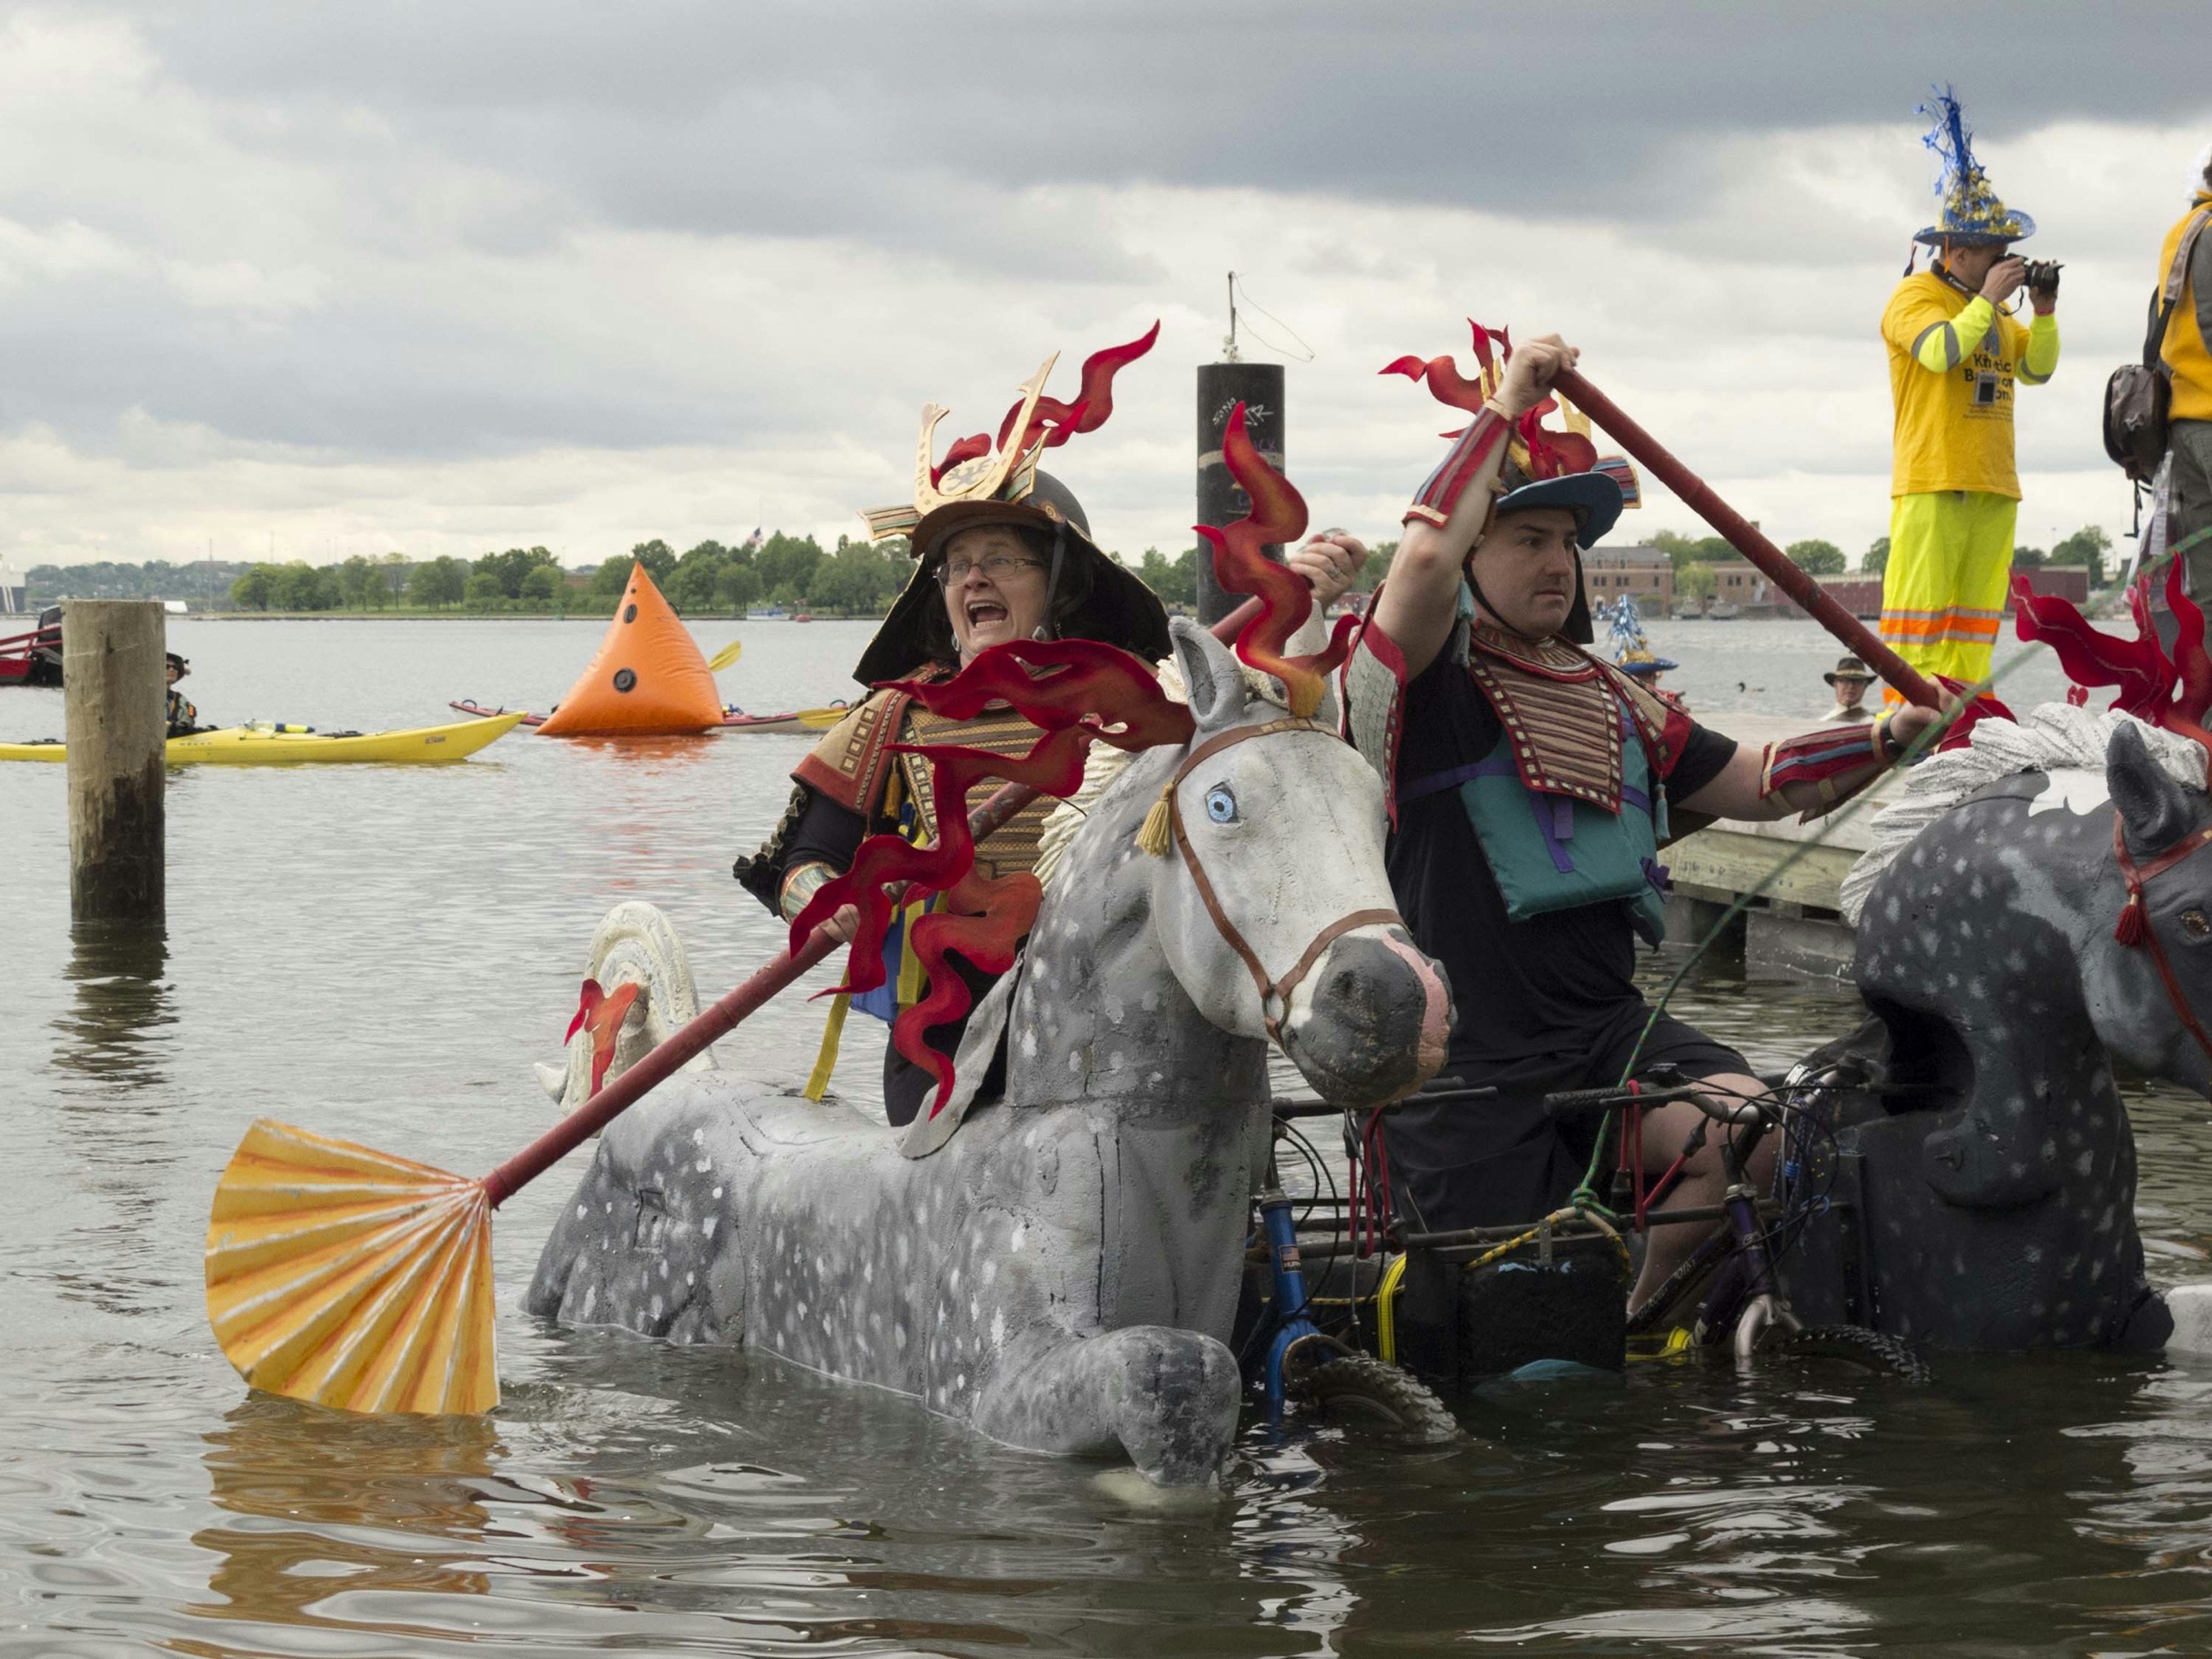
{"x":603,"y":1014}
{"x":1277,"y":514}
{"x":1094,"y":399}
{"x":963,"y":449}
{"x":2171,"y":692}
{"x":1550,"y":454}
{"x":1098,"y":692}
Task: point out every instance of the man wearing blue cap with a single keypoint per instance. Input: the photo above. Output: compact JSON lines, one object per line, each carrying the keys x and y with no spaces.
{"x":1529,"y":783}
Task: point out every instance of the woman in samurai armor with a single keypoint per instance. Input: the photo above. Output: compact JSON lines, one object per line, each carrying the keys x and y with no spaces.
{"x":1001,"y":552}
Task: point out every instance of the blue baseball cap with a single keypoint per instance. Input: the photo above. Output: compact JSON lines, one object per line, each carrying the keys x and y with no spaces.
{"x":1592,"y":497}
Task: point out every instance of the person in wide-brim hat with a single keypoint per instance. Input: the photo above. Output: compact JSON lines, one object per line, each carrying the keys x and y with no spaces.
{"x":183,"y":718}
{"x":1850,"y":677}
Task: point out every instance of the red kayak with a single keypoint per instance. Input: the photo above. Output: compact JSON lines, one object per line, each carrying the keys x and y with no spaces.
{"x":34,"y":657}
{"x":733,"y":720}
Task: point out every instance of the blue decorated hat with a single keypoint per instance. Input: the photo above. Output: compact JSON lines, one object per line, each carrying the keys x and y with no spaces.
{"x":1640,"y":659}
{"x":1973,"y":214}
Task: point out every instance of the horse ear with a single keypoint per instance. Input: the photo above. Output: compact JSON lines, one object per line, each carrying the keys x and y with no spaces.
{"x":1210,"y":673}
{"x":2156,"y":810}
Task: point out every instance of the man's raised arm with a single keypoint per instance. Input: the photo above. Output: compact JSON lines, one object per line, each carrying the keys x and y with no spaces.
{"x":1418,"y":603}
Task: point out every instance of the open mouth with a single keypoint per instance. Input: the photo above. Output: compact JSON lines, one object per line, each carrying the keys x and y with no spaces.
{"x":981,"y":611}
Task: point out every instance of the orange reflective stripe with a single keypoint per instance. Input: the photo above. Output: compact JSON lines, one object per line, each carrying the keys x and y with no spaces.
{"x":1968,"y":627}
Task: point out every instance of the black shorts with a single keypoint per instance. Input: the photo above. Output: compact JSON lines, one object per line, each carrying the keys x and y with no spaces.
{"x":1491,"y":1163}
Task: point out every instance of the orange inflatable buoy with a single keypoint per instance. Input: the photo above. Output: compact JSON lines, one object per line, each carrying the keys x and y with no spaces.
{"x":648,"y":677}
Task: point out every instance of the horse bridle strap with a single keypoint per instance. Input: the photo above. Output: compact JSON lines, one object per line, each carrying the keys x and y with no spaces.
{"x":2134,"y":927}
{"x":1275,"y":991}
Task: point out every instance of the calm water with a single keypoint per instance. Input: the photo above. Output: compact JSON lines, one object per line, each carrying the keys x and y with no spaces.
{"x":381,"y":953}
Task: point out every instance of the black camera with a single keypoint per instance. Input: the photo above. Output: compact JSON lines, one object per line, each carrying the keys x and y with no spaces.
{"x":2042,"y":277}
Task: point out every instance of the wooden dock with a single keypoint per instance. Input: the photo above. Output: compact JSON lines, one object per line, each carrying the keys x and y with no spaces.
{"x":1793,"y":869}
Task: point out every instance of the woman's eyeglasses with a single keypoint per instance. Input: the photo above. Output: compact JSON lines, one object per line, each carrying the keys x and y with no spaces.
{"x":998,"y":567}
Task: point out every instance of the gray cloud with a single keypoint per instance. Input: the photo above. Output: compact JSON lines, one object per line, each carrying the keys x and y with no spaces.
{"x":809,"y":119}
{"x":383,"y":245}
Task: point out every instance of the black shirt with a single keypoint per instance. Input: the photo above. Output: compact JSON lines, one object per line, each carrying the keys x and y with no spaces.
{"x":1548,"y":985}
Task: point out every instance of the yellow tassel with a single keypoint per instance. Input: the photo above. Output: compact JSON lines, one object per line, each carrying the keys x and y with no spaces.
{"x":913,"y":981}
{"x":1156,"y":834}
{"x":817,"y":1082}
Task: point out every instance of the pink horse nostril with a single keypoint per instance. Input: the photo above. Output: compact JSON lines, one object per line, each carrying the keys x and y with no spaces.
{"x":1436,"y":1009}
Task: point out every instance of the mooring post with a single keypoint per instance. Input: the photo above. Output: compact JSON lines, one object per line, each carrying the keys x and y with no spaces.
{"x":116,"y":721}
{"x":1221,"y":387}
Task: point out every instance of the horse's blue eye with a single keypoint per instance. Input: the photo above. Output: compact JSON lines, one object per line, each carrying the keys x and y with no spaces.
{"x":1220,"y":805}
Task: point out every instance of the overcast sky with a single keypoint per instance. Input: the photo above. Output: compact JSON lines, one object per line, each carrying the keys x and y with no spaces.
{"x":446,"y":276}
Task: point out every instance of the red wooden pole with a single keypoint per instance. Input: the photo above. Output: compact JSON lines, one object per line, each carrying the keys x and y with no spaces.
{"x":713,"y":1022}
{"x":1743,"y":535}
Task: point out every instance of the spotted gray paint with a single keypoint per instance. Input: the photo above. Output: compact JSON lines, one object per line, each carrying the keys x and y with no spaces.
{"x":1062,"y":1273}
{"x":1999,"y":1185}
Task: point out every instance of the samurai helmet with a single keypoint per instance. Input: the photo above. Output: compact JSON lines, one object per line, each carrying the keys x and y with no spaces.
{"x":979,"y":482}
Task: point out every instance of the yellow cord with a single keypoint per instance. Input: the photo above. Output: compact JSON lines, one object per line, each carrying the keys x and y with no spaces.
{"x":1676,"y":1341}
{"x":1386,"y":1312}
{"x":817,"y":1082}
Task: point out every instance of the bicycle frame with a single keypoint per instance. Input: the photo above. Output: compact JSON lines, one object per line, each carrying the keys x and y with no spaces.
{"x":1290,"y":1293}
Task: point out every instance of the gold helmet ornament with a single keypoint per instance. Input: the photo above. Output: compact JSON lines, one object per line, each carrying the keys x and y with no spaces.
{"x":978,"y":475}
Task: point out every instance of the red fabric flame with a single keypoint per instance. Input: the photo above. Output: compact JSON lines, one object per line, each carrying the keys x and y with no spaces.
{"x":1979,"y":707}
{"x":1550,"y":454}
{"x":1553,"y":454}
{"x":1094,"y":399}
{"x":1092,"y":691}
{"x":963,"y":449}
{"x":1446,"y":384}
{"x":1277,"y":514}
{"x":603,"y":1014}
{"x":2172,"y":692}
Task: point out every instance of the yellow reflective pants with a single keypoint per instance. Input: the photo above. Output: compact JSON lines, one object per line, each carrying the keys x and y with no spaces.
{"x":1943,"y":593}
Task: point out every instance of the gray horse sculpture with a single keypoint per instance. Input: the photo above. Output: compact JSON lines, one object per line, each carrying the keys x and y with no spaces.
{"x":1987,"y":1173}
{"x":1062,"y":1271}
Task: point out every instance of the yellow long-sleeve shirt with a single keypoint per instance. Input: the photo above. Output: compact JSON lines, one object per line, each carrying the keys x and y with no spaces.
{"x":1953,"y":361}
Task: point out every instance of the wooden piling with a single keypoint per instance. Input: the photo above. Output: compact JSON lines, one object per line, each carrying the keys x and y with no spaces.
{"x":115,"y":719}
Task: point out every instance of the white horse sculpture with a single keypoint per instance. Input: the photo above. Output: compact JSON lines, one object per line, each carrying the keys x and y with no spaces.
{"x":1062,"y":1271}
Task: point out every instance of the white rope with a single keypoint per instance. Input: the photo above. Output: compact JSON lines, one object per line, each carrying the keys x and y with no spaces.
{"x":2055,"y":737}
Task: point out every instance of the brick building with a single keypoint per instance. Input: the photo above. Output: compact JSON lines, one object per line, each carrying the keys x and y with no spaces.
{"x":1739,"y":585}
{"x":1643,"y":573}
{"x":1861,"y":594}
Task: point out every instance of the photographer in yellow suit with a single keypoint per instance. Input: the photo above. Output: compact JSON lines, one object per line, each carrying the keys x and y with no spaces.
{"x":1956,"y":356}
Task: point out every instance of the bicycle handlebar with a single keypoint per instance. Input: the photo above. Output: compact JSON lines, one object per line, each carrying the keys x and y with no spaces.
{"x":1288,"y":1106}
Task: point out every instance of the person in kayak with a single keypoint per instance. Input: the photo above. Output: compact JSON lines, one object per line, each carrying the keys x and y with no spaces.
{"x":1529,"y":784}
{"x":1013,"y":558}
{"x":184,"y":719}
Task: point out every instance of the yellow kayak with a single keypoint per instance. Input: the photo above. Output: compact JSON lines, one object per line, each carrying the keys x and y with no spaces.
{"x":272,"y":746}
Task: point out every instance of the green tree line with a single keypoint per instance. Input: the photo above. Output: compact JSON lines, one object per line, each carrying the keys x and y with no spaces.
{"x":853,"y":578}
